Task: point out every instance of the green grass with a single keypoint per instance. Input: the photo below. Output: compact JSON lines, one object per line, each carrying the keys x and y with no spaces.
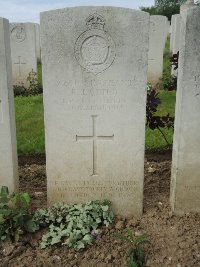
{"x":39,"y":71}
{"x":30,"y":124}
{"x":154,"y":139}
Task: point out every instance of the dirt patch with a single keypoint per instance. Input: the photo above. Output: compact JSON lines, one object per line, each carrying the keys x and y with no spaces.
{"x":175,"y":241}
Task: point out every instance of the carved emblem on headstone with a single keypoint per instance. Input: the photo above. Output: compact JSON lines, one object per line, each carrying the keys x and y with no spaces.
{"x":94,"y":48}
{"x":18,"y":34}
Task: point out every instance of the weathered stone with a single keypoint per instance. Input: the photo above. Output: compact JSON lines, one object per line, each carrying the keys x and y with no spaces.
{"x":157,"y":39}
{"x":23,"y":50}
{"x":185,"y":183}
{"x":177,"y":35}
{"x":172,"y":31}
{"x":94,"y":75}
{"x":37,"y":38}
{"x":8,"y":150}
{"x":187,"y":5}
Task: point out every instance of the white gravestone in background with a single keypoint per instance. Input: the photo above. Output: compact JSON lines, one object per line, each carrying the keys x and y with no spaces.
{"x":172,"y":31}
{"x":38,"y":50}
{"x":185,"y":184}
{"x":23,"y":50}
{"x":167,"y":26}
{"x":177,"y":35}
{"x":157,"y":39}
{"x":95,"y":74}
{"x":187,"y":5}
{"x":8,"y":150}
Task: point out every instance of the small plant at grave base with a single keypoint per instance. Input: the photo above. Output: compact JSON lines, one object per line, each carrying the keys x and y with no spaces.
{"x":154,"y":121}
{"x":136,"y":253}
{"x":33,"y":83}
{"x":19,"y":89}
{"x":75,"y":226}
{"x":33,"y":88}
{"x":15,"y":218}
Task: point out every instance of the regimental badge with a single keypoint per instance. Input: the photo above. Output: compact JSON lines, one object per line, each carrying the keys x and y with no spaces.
{"x":95,"y":48}
{"x":18,"y":34}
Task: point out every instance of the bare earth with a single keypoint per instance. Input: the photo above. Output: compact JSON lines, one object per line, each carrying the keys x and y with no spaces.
{"x":175,"y":241}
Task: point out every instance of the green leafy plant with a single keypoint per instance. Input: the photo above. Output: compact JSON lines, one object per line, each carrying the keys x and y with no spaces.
{"x":153,"y":120}
{"x":136,"y":253}
{"x":15,"y":218}
{"x":34,"y":87}
{"x":74,"y":225}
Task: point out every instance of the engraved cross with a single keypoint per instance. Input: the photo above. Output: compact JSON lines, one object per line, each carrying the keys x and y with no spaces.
{"x":94,"y":138}
{"x":19,"y":63}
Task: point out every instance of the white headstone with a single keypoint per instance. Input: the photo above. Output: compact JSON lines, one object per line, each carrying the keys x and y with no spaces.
{"x":38,"y":50}
{"x":187,"y":5}
{"x":157,"y":39}
{"x":8,"y":150}
{"x":185,"y":184}
{"x":95,"y":73}
{"x":172,"y":31}
{"x":177,"y":35}
{"x":23,"y":50}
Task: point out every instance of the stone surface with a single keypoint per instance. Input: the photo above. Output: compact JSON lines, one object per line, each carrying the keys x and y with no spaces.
{"x":172,"y":31}
{"x":23,"y":50}
{"x":157,"y":39}
{"x":187,"y":5}
{"x":8,"y":150}
{"x":94,"y":76}
{"x":185,"y":184}
{"x":37,"y":38}
{"x":177,"y":35}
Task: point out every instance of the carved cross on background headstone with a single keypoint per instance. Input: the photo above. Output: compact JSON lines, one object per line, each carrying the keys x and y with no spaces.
{"x":94,"y":138}
{"x":19,"y":63}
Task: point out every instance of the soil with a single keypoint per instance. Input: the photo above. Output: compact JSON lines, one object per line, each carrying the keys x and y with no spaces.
{"x":174,"y":241}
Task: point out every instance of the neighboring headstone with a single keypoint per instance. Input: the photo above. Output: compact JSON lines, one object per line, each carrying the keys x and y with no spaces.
{"x":187,"y":5}
{"x":177,"y":35}
{"x":94,"y":63}
{"x":185,"y":184}
{"x":23,"y":50}
{"x":38,"y":49}
{"x":8,"y":150}
{"x":157,"y":39}
{"x":172,"y":31}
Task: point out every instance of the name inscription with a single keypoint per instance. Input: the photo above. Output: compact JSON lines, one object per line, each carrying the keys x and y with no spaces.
{"x":91,"y":189}
{"x":96,"y":94}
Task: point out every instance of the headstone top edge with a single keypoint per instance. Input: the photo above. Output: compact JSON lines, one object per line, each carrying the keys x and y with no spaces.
{"x":158,"y":16}
{"x":176,"y":15}
{"x":23,"y":23}
{"x":42,"y":14}
{"x":4,"y":19}
{"x":190,"y":11}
